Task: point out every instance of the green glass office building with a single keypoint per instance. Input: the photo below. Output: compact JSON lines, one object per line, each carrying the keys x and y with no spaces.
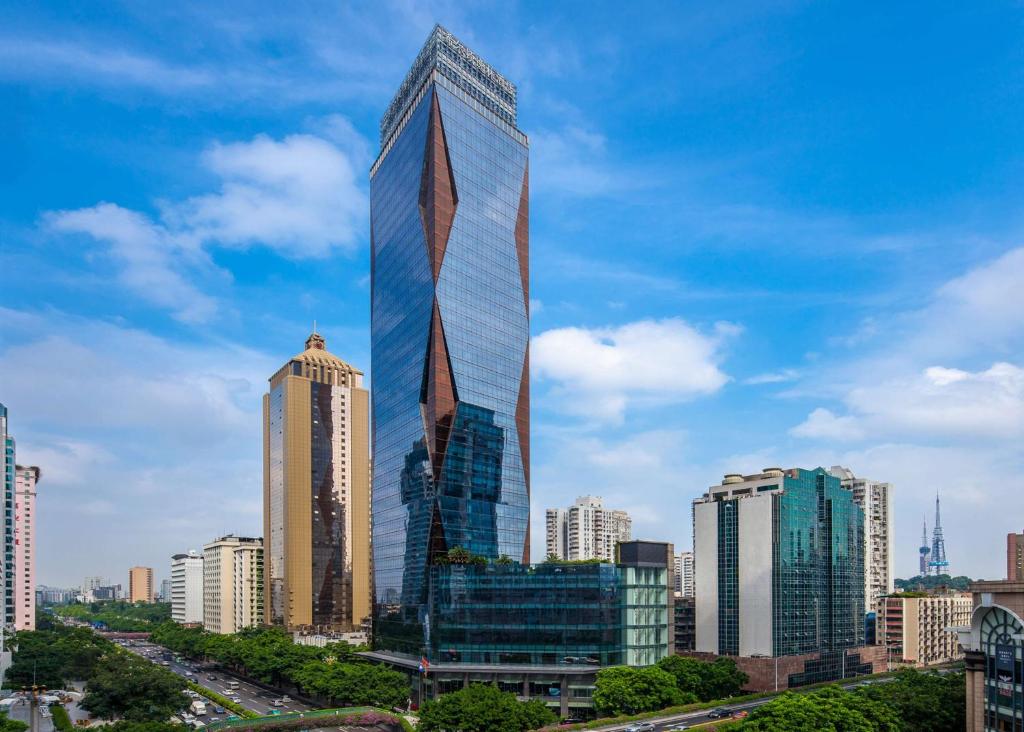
{"x":789,"y":546}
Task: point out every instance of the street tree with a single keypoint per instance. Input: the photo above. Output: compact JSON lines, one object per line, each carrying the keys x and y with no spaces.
{"x":127,"y":687}
{"x":629,"y":690}
{"x":827,"y":710}
{"x":483,"y":708}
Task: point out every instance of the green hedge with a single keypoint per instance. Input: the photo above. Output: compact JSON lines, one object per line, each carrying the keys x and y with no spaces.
{"x":222,"y":701}
{"x":671,"y":711}
{"x":61,"y":719}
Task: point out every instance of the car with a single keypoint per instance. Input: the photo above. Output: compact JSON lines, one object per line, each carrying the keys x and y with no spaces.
{"x":678,"y":728}
{"x":286,"y":699}
{"x":277,"y":703}
{"x":641,"y":727}
{"x":274,"y":712}
{"x":741,"y":714}
{"x":211,"y":677}
{"x":233,"y":717}
{"x":219,"y":710}
{"x":719,"y":713}
{"x":570,"y":720}
{"x":188,"y":673}
{"x":214,"y":719}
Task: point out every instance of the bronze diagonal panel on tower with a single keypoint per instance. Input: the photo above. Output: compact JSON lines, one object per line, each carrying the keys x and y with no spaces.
{"x":439,"y":395}
{"x":523,"y":236}
{"x":438,"y":197}
{"x":523,"y":431}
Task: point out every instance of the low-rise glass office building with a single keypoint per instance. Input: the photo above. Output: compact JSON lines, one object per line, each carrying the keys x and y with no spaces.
{"x":543,"y":630}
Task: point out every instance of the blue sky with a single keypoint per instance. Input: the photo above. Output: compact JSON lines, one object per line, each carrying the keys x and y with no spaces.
{"x":761,"y":234}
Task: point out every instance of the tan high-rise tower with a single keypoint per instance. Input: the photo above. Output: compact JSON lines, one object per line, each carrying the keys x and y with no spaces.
{"x":316,"y":493}
{"x":140,"y":584}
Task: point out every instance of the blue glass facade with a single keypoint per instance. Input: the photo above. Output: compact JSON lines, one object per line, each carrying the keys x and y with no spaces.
{"x":450,"y":330}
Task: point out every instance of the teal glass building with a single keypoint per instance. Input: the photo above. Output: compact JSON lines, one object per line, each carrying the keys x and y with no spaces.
{"x":594,"y":613}
{"x":786,"y":546}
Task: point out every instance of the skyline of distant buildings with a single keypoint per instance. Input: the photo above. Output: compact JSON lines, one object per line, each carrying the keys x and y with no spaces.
{"x":1015,"y":556}
{"x":141,"y":587}
{"x":232,"y":586}
{"x":20,"y":541}
{"x":683,"y":574}
{"x":875,"y":500}
{"x":186,"y":587}
{"x":586,"y":530}
{"x":25,"y":543}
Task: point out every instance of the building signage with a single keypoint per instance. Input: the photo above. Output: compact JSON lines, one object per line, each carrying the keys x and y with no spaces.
{"x":1004,"y":669}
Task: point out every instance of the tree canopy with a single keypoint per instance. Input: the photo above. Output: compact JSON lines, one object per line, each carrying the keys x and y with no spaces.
{"x":483,"y":708}
{"x":707,"y":681}
{"x":51,"y":658}
{"x":11,"y":725}
{"x":127,"y":687}
{"x":912,"y":701}
{"x":827,"y":710}
{"x":117,"y":614}
{"x":630,"y":690}
{"x":332,"y":673}
{"x":925,"y":701}
{"x":934,"y":581}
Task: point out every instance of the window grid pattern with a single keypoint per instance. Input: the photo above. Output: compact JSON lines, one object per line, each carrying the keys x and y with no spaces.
{"x":728,"y":578}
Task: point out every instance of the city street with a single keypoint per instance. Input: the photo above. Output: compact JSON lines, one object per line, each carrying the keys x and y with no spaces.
{"x":250,"y":696}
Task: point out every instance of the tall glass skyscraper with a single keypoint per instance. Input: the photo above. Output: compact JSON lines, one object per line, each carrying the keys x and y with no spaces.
{"x":450,"y":332}
{"x":316,"y":474}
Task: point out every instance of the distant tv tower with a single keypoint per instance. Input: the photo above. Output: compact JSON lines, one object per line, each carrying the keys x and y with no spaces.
{"x":925,"y":549}
{"x":938,"y":560}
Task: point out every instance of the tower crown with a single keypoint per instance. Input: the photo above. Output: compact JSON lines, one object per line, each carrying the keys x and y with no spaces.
{"x":445,"y":54}
{"x":316,"y":342}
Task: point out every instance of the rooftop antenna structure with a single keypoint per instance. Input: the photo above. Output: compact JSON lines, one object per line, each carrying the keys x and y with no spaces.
{"x":938,"y":559}
{"x":925,"y":550}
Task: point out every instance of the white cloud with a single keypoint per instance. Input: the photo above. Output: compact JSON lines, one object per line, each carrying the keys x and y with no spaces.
{"x":148,"y":257}
{"x":646,"y":474}
{"x":132,"y":432}
{"x":950,"y":402}
{"x":570,"y":161}
{"x":824,"y":425}
{"x":299,"y":196}
{"x":938,"y":402}
{"x":600,"y":372}
{"x":980,"y":309}
{"x":58,"y":60}
{"x":773,"y":377}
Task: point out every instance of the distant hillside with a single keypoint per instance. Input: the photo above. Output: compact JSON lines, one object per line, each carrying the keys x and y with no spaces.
{"x":932,"y":582}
